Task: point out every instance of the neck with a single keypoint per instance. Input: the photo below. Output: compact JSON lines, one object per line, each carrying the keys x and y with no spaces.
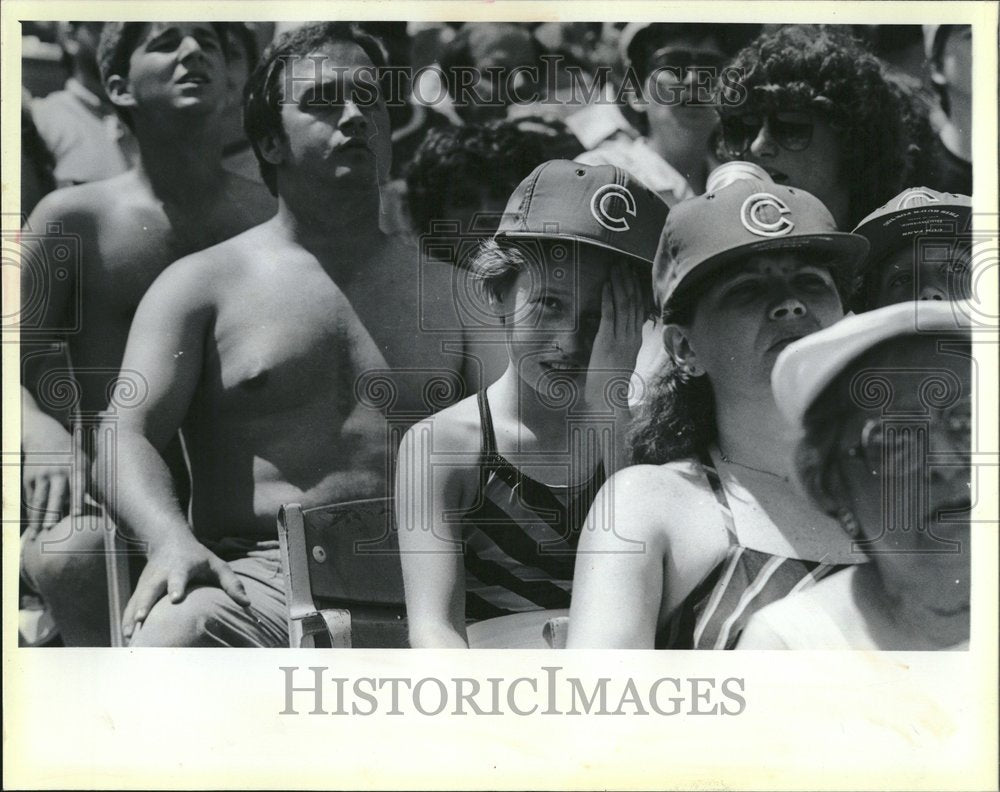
{"x":752,"y":433}
{"x":956,"y":135}
{"x":685,"y":155}
{"x":902,"y":602}
{"x":180,"y":165}
{"x":515,"y":399}
{"x":343,"y":240}
{"x":91,"y":81}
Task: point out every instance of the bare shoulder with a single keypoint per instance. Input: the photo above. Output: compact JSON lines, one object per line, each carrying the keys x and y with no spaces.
{"x":92,"y":200}
{"x":672,"y":501}
{"x":454,"y":430}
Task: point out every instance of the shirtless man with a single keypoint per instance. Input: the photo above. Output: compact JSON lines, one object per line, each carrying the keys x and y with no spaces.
{"x":252,"y":348}
{"x":167,"y":80}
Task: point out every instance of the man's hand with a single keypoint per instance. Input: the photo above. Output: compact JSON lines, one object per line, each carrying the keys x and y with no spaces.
{"x":170,"y":569}
{"x":47,"y":486}
{"x":618,"y":339}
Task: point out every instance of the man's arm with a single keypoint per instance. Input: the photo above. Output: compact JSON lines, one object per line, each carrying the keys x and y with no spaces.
{"x":47,"y":285}
{"x":165,"y":346}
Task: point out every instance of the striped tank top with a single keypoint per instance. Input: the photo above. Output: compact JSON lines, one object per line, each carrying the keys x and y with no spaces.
{"x":714,"y":614}
{"x":520,"y":536}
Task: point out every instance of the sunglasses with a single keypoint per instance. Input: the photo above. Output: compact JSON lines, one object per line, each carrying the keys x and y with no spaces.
{"x":899,"y":449}
{"x":790,"y":130}
{"x":680,"y":61}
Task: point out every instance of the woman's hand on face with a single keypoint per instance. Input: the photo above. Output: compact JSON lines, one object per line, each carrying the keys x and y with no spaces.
{"x":619,"y":336}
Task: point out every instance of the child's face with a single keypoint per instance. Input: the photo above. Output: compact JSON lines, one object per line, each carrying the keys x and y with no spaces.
{"x":553,"y":312}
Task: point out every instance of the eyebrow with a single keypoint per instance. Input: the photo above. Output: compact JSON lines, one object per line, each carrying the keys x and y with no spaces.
{"x":175,"y":30}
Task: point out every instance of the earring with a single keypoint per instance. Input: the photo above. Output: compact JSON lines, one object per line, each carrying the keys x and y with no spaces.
{"x":848,"y":522}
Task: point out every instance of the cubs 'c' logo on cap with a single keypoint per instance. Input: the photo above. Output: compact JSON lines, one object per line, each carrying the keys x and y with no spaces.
{"x":916,"y":198}
{"x":602,"y":206}
{"x":766,"y":215}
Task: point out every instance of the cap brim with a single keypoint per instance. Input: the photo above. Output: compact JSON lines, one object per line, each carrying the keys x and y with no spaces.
{"x":847,"y":251}
{"x":571,"y":237}
{"x":883,"y":233}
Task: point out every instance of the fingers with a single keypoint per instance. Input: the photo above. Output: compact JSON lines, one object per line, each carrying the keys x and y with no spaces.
{"x":55,"y":508}
{"x":36,"y":506}
{"x":148,"y":592}
{"x":230,"y":583}
{"x":177,"y":584}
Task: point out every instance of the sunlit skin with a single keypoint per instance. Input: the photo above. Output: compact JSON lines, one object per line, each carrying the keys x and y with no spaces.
{"x":923,"y":566}
{"x":727,"y":339}
{"x":571,"y":322}
{"x":747,"y":315}
{"x":178,"y":199}
{"x":899,"y":476}
{"x":276,"y":329}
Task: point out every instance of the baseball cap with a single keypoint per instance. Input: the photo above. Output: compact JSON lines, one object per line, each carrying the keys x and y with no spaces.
{"x":916,"y":211}
{"x":599,"y":205}
{"x":745,"y":217}
{"x":806,"y":367}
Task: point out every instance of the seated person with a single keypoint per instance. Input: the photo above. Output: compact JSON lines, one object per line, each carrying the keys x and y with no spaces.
{"x":491,"y":492}
{"x":920,"y":249}
{"x":672,"y":70}
{"x":258,"y":349}
{"x":813,"y":108}
{"x":78,"y":123}
{"x":167,"y":81}
{"x":680,"y":549}
{"x":907,"y":442}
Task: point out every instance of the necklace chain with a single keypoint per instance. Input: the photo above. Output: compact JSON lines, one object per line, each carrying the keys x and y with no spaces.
{"x":751,"y":467}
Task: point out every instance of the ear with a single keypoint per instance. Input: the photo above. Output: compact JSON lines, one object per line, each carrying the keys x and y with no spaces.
{"x":636,"y":101}
{"x":272,"y":148}
{"x":119,"y":91}
{"x":678,"y":346}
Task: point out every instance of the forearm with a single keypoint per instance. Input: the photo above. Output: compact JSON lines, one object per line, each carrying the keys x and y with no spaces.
{"x":134,"y":483}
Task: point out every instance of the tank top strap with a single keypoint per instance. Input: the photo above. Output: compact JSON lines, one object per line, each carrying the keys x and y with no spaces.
{"x":715,"y":482}
{"x":486,"y":422}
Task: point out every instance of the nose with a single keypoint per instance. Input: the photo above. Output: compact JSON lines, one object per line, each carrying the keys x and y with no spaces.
{"x":789,"y":308}
{"x":352,"y":120}
{"x":932,"y":291}
{"x":764,"y":145}
{"x":189,"y":47}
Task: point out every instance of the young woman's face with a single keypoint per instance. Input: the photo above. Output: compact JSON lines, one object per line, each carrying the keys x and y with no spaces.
{"x":553,"y":312}
{"x":906,"y":467}
{"x":752,"y":312}
{"x":798,"y":148}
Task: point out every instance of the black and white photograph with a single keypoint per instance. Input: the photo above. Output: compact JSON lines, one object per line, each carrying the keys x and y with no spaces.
{"x":361,"y":338}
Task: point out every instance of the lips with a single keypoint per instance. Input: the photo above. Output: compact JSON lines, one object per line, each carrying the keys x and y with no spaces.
{"x":561,"y":366}
{"x":777,"y":176}
{"x":781,"y":343}
{"x":194,"y":78}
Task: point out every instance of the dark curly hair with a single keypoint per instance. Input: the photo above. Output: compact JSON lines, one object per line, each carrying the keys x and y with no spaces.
{"x":264,"y":89}
{"x":825,"y":69}
{"x":495,"y":157}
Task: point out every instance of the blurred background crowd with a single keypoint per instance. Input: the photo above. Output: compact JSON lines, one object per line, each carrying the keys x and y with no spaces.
{"x":590,"y":98}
